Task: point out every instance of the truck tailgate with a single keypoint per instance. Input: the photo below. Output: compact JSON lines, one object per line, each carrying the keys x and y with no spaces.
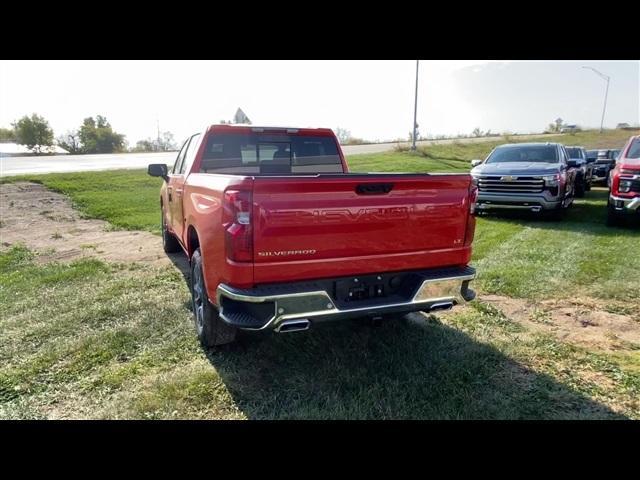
{"x":340,"y":225}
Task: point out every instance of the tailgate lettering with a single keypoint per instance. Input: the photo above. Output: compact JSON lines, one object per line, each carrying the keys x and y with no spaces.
{"x":342,"y":215}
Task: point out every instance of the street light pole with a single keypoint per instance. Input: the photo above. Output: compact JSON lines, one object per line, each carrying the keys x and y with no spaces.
{"x":415,"y":110}
{"x":606,"y":92}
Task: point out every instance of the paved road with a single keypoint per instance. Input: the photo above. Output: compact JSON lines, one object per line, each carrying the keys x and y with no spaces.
{"x":82,"y":163}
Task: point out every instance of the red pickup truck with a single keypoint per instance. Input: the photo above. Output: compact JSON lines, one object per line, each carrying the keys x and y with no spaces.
{"x":280,"y":235}
{"x":624,"y":194}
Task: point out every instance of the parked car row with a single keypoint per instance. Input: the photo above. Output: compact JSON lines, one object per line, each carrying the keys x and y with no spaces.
{"x":546,"y":177}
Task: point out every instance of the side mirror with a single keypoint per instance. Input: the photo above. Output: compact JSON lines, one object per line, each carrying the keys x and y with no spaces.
{"x":475,"y":163}
{"x":158,"y":170}
{"x":571,"y":163}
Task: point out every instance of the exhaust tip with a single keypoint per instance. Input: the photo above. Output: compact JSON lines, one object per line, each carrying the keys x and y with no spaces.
{"x":293,"y":326}
{"x":441,"y":306}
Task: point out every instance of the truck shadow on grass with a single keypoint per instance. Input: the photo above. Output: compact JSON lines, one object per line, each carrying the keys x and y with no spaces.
{"x":403,"y":369}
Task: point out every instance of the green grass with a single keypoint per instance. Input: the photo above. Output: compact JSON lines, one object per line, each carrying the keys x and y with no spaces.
{"x":128,"y":199}
{"x":97,"y":348}
{"x":81,"y":340}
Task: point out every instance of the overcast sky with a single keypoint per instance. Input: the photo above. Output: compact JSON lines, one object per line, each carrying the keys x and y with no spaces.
{"x":372,"y":99}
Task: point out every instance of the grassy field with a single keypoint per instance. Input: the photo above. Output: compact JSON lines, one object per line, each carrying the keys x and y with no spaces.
{"x":95,"y":339}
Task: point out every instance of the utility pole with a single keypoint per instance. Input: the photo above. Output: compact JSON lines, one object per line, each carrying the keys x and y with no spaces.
{"x":415,"y":110}
{"x":158,"y":126}
{"x":606,"y":92}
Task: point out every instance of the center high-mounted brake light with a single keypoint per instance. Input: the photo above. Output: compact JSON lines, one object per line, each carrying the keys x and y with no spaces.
{"x":237,"y":224}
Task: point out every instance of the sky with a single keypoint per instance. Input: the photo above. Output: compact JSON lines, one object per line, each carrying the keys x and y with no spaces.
{"x":372,"y":99}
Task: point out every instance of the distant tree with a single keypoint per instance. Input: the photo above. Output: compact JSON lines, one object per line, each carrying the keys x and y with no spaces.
{"x":97,"y":136}
{"x":34,"y":132}
{"x":476,"y":132}
{"x":70,"y":141}
{"x":556,"y":125}
{"x":147,"y":145}
{"x":343,"y":135}
{"x":7,"y":135}
{"x":167,"y":142}
{"x":164,"y":144}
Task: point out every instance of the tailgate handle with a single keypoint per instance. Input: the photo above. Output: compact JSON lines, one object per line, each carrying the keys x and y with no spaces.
{"x":374,"y":188}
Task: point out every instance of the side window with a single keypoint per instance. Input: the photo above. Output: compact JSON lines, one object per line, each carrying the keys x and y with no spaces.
{"x":563,"y":155}
{"x":191,"y":152}
{"x":180,"y":157}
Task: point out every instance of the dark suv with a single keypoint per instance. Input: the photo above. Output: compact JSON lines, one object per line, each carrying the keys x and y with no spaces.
{"x":538,"y":177}
{"x":605,"y":162}
{"x":584,"y":170}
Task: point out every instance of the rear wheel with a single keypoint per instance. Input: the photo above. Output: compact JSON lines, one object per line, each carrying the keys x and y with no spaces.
{"x":169,"y":242}
{"x":211,"y":329}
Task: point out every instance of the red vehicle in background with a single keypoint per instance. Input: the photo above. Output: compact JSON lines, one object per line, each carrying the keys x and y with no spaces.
{"x":281,"y":236}
{"x":624,"y":194}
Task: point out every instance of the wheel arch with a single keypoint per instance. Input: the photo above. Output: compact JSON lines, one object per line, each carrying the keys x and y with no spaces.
{"x":193,"y":240}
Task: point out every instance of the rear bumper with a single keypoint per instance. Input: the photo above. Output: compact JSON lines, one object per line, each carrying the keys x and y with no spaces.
{"x":272,"y":307}
{"x":625,"y":205}
{"x":535,"y":203}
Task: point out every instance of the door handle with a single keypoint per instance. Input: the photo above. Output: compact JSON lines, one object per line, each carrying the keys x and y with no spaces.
{"x":374,"y":188}
{"x":179,"y":192}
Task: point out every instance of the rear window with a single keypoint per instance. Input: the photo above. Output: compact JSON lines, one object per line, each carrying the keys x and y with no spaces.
{"x":634,"y":149}
{"x":531,"y":154}
{"x":255,"y":154}
{"x":574,"y":152}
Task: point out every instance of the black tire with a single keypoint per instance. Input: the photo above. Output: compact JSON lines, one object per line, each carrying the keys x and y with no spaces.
{"x":613,"y":217}
{"x":588,"y":186}
{"x":211,"y":329}
{"x":169,"y":242}
{"x":580,"y":187}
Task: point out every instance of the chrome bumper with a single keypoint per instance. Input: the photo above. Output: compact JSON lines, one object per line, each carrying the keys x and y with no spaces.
{"x":629,"y":204}
{"x":432,"y":294}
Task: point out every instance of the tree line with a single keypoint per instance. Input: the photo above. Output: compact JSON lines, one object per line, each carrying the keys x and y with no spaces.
{"x":95,"y":135}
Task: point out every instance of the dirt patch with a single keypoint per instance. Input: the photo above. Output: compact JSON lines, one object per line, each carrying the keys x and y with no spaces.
{"x":579,"y":322}
{"x":46,"y":222}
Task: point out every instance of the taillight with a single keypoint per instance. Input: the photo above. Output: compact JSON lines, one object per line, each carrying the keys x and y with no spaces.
{"x":237,"y":225}
{"x":473,"y":196}
{"x":471,"y":219}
